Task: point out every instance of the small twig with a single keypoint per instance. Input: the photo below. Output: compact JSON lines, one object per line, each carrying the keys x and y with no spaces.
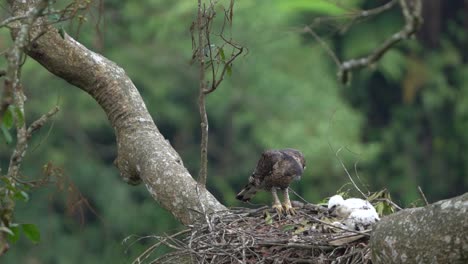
{"x":300,"y":197}
{"x":422,"y":195}
{"x":357,"y":175}
{"x":223,"y":72}
{"x":21,"y":145}
{"x":330,"y":52}
{"x":389,"y":202}
{"x":377,"y":10}
{"x":347,"y":173}
{"x":143,"y":256}
{"x":341,"y":228}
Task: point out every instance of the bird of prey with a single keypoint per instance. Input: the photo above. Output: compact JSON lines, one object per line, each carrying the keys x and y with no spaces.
{"x":356,"y":214}
{"x":275,"y":170}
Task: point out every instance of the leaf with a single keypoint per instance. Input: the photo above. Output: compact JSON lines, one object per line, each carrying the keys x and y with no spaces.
{"x":268,"y":218}
{"x":8,"y":117}
{"x":6,"y":230}
{"x":19,"y":115}
{"x":393,"y":65}
{"x":16,"y":233}
{"x":288,"y":227}
{"x":301,"y":230}
{"x":221,"y":54}
{"x":32,"y":232}
{"x":320,"y":6}
{"x":21,"y":195}
{"x":229,"y":69}
{"x":61,"y":31}
{"x":6,"y":134}
{"x":53,"y":17}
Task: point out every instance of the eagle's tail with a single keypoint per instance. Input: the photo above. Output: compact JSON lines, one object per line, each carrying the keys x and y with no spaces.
{"x":247,"y":192}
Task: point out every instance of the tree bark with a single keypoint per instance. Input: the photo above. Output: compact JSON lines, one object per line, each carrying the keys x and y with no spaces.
{"x":143,"y":153}
{"x":437,"y":233}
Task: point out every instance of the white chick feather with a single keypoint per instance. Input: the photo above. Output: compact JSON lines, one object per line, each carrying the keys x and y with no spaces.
{"x":357,"y":213}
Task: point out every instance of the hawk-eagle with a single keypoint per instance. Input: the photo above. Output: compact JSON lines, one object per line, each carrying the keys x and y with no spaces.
{"x":275,"y":170}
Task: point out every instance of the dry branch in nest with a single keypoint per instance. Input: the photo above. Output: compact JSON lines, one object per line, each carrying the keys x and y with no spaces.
{"x":243,"y":235}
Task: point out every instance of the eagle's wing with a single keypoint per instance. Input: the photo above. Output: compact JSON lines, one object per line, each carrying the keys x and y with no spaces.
{"x":263,"y":170}
{"x":265,"y":165}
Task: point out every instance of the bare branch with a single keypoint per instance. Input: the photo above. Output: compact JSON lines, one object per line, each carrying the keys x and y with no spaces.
{"x":202,"y":175}
{"x":413,"y":22}
{"x":216,"y":60}
{"x":226,"y":66}
{"x":22,"y":143}
{"x":422,"y":195}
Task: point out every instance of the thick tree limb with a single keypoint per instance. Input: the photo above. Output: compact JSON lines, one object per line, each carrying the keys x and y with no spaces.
{"x":437,"y":233}
{"x":143,"y":153}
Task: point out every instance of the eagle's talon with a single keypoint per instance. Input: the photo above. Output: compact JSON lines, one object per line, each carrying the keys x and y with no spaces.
{"x":275,"y":170}
{"x":278,"y":208}
{"x":289,"y":209}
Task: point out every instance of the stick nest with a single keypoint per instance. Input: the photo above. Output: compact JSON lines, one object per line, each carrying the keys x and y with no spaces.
{"x":243,"y":235}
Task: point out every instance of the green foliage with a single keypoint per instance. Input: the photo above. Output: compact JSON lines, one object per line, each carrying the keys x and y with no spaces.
{"x":29,"y":230}
{"x":323,"y":7}
{"x":414,"y":106}
{"x":6,"y":134}
{"x":11,"y":114}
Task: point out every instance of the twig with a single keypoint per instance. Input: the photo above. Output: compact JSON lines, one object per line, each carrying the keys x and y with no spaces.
{"x":309,"y":30}
{"x":389,"y":202}
{"x":422,"y":195}
{"x":347,"y":173}
{"x":21,"y":145}
{"x":377,"y":10}
{"x":341,"y":228}
{"x":295,"y":193}
{"x":223,"y":72}
{"x":202,"y":49}
{"x":143,"y":256}
{"x":413,"y":21}
{"x":357,"y":175}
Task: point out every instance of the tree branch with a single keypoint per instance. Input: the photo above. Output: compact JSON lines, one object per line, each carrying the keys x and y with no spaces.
{"x":143,"y":153}
{"x":202,"y":175}
{"x":413,"y":22}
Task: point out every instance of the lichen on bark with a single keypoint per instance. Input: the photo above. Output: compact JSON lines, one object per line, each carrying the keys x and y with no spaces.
{"x":437,"y":233}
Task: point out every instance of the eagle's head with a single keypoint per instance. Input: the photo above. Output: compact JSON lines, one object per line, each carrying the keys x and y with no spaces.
{"x":297,"y":155}
{"x":335,"y":200}
{"x":337,"y":207}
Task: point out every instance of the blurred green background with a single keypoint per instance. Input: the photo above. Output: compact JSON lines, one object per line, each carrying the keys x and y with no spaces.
{"x":402,"y":123}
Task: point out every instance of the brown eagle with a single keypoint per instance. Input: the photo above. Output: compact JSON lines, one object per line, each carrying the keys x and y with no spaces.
{"x":275,"y":170}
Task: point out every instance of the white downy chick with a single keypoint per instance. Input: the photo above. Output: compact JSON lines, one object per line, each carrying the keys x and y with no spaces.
{"x":357,"y":214}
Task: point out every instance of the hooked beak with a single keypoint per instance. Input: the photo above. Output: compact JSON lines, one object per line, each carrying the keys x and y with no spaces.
{"x":332,"y":211}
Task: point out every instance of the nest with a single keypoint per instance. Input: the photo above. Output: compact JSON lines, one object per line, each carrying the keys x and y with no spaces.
{"x":243,"y":235}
